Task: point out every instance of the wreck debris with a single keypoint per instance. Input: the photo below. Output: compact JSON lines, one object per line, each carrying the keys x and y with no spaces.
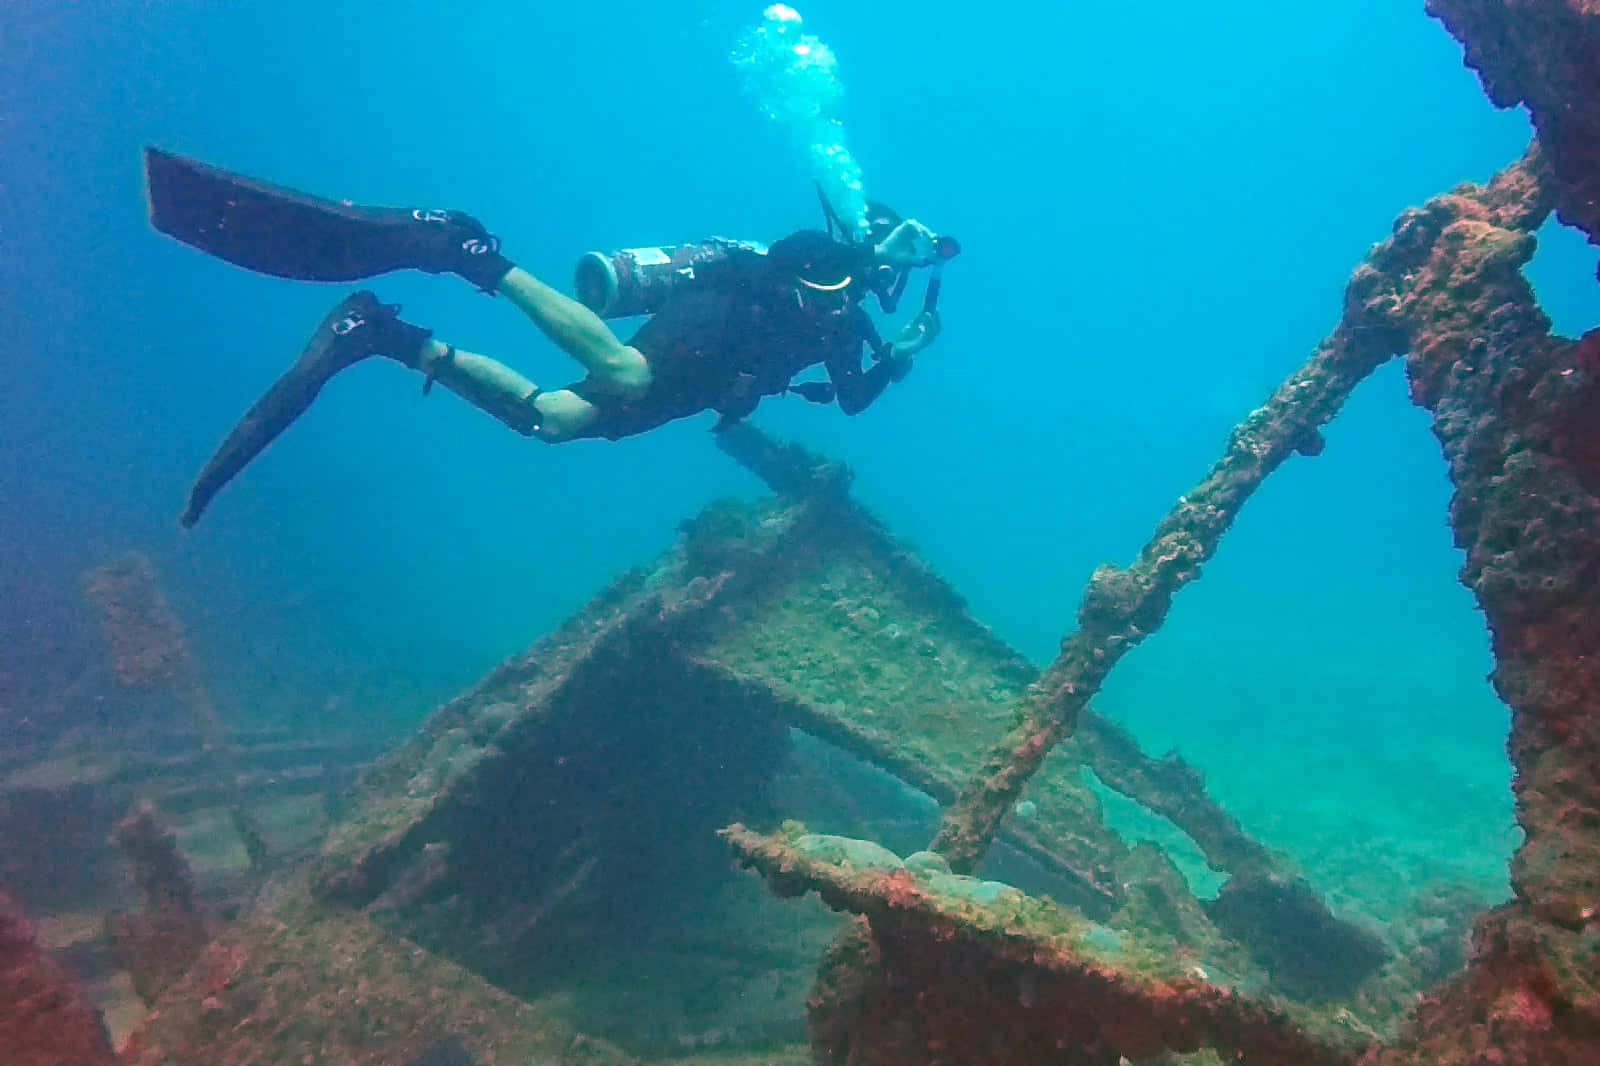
{"x":801,"y":613}
{"x":1167,"y":786}
{"x":251,"y":835}
{"x":484,"y":749}
{"x":146,"y":642}
{"x":1506,"y":397}
{"x":45,"y":1020}
{"x":57,"y":814}
{"x":183,"y":773}
{"x":1121,"y":607}
{"x":788,"y":468}
{"x":1514,"y":410}
{"x":147,"y":646}
{"x":293,"y":982}
{"x":1544,"y":55}
{"x":981,"y":973}
{"x":1514,"y":1004}
{"x":1309,"y":953}
{"x":1172,"y":788}
{"x":158,"y":944}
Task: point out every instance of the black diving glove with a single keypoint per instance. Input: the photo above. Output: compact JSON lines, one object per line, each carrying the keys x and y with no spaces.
{"x":815,"y":391}
{"x":895,"y":362}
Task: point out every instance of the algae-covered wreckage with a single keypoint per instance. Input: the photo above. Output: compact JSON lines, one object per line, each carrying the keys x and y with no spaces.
{"x":514,"y":845}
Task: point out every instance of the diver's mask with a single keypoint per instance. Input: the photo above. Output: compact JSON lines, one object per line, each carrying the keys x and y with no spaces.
{"x":888,"y":280}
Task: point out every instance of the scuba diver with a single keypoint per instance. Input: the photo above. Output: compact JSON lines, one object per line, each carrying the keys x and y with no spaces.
{"x":730,"y":322}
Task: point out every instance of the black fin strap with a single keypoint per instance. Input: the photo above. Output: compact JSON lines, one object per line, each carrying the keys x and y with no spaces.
{"x":432,"y":372}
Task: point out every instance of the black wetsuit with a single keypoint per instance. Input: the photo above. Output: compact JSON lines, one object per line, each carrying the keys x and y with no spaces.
{"x":725,"y":343}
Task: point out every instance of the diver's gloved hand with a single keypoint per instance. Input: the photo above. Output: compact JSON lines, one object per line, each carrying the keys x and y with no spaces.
{"x":453,"y":242}
{"x":815,"y":391}
{"x":910,"y":244}
{"x":917,"y":334}
{"x":889,"y":360}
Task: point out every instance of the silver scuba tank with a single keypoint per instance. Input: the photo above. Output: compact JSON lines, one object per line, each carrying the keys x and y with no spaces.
{"x":638,"y":281}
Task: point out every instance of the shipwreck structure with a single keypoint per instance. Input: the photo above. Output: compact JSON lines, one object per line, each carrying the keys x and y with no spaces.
{"x":574,"y":812}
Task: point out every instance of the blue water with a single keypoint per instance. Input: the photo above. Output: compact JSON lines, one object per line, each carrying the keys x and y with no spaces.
{"x":1159,"y":211}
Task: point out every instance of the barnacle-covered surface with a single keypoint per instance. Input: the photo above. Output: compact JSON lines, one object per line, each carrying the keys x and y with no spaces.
{"x":1543,"y":55}
{"x":519,"y":815}
{"x":1514,"y":409}
{"x":294,"y":981}
{"x":46,"y":1018}
{"x":979,"y":970}
{"x":146,"y":642}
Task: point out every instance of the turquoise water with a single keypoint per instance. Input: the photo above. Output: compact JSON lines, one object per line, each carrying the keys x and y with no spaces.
{"x":1158,"y":212}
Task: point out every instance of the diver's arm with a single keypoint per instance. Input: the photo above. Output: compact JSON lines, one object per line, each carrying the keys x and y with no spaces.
{"x":910,"y":244}
{"x":917,"y":335}
{"x":855,"y":389}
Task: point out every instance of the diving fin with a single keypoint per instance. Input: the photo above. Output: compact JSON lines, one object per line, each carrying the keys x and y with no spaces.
{"x":288,"y":234}
{"x":358,"y":327}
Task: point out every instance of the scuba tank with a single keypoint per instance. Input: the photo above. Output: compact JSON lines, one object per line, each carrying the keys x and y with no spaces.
{"x":639,"y":281}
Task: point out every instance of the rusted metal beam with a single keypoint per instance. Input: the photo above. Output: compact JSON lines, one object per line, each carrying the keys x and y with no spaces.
{"x":979,"y":972}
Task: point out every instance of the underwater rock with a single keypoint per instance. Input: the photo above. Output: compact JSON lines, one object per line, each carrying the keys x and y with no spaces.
{"x":45,"y":1019}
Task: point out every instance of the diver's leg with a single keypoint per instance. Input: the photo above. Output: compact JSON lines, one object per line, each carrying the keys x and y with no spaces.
{"x":582,"y":334}
{"x":358,"y":328}
{"x":490,"y":385}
